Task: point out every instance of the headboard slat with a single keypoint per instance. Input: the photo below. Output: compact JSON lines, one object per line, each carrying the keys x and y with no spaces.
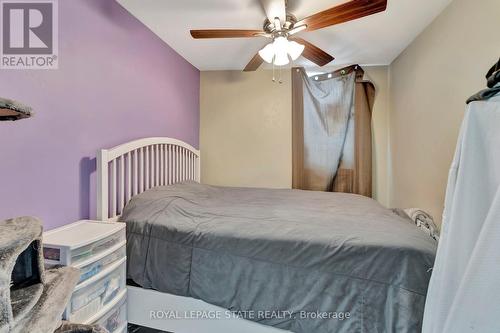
{"x":121,"y":182}
{"x":128,"y":193}
{"x":113,"y":188}
{"x":147,"y":167}
{"x":162,"y":165}
{"x":140,"y":171}
{"x":134,"y":167}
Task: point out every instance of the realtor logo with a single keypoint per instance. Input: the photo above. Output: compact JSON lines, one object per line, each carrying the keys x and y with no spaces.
{"x":29,"y":34}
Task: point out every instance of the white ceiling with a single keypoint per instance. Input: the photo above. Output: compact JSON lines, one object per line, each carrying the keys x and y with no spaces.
{"x":373,"y":40}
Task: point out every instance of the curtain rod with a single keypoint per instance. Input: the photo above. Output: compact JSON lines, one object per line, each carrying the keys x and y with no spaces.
{"x":337,"y":73}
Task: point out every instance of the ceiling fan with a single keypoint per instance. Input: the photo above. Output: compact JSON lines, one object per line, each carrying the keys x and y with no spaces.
{"x":281,"y":26}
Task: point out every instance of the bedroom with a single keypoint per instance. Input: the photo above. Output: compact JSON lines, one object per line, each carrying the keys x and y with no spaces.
{"x":120,"y":98}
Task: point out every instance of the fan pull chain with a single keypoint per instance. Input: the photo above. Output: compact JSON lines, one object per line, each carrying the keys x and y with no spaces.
{"x":280,"y":81}
{"x":274,"y":78}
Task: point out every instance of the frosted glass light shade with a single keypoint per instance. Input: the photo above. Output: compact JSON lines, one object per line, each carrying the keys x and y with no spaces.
{"x":281,"y":59}
{"x":267,"y":53}
{"x":278,"y":51}
{"x":295,"y":49}
{"x":280,"y":45}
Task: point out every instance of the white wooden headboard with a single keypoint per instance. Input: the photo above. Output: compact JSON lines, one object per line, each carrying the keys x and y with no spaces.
{"x":136,"y":166}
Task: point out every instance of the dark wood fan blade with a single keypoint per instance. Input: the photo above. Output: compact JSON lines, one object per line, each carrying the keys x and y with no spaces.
{"x":275,"y":8}
{"x":313,"y":53}
{"x":254,"y":63}
{"x":225,"y":33}
{"x":348,"y":11}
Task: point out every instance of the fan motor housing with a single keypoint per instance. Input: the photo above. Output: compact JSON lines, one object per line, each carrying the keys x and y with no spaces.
{"x":290,"y":22}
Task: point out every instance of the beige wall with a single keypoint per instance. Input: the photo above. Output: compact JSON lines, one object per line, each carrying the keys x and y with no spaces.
{"x":430,"y":82}
{"x":246,"y":129}
{"x":246,"y":133}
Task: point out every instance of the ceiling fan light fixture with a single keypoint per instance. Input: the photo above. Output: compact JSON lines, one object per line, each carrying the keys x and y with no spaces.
{"x":281,"y":59}
{"x":278,"y":51}
{"x":295,"y":49}
{"x":280,"y":45}
{"x":267,"y":53}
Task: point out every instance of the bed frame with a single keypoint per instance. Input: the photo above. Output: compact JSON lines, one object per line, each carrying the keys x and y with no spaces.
{"x":132,"y":168}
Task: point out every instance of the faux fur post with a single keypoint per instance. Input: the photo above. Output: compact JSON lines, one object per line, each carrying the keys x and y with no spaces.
{"x":45,"y":316}
{"x":36,"y":308}
{"x":68,"y":327}
{"x":15,"y":237}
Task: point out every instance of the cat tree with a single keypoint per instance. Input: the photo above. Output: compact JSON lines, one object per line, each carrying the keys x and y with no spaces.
{"x":32,"y":299}
{"x":12,"y":110}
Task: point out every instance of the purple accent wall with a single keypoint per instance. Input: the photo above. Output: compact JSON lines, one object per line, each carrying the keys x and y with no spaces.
{"x":116,"y":82}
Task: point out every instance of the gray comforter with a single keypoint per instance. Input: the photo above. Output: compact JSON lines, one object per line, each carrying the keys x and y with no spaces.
{"x":298,"y":254}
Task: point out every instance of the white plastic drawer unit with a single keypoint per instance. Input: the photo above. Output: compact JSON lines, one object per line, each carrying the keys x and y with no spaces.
{"x":94,"y":294}
{"x":81,"y":243}
{"x":113,"y":316}
{"x":98,"y":249}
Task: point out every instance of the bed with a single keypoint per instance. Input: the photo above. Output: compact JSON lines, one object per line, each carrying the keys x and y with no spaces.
{"x":217,"y":259}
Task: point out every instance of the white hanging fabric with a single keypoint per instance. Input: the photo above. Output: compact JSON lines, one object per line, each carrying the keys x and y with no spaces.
{"x":328,"y":108}
{"x":464,"y":290}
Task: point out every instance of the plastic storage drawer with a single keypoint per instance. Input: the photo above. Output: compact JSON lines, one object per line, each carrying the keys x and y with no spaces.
{"x":92,"y":267}
{"x":114,"y":318}
{"x":64,"y":246}
{"x":95,"y":293}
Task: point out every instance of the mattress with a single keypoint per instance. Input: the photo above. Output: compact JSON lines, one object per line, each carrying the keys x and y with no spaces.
{"x":298,"y":260}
